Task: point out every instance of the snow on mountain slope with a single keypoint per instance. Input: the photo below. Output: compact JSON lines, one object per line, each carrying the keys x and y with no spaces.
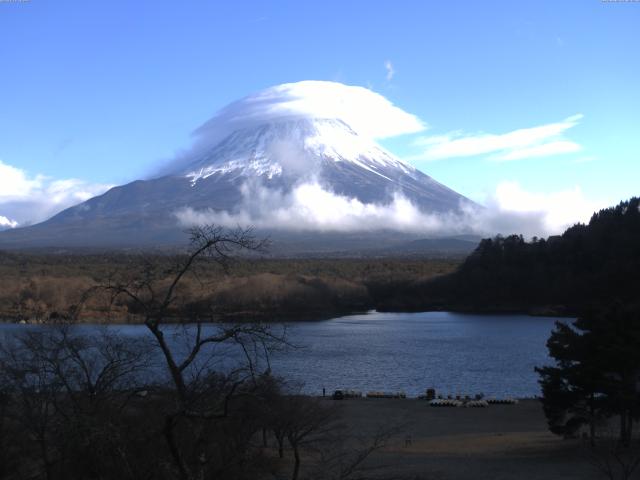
{"x":291,"y":151}
{"x":292,"y":146}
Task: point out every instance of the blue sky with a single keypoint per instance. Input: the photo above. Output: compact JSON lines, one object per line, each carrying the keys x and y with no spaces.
{"x":101,"y":93}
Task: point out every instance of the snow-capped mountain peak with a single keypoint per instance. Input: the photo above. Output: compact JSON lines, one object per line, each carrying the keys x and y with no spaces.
{"x":291,"y":147}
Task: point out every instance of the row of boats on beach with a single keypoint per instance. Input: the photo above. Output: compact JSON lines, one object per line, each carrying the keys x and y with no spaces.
{"x":472,"y":403}
{"x":476,"y":401}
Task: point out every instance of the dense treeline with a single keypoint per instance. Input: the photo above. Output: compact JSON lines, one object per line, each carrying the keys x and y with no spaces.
{"x":589,"y":264}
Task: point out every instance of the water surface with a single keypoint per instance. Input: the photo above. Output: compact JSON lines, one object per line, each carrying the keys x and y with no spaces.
{"x":454,"y":353}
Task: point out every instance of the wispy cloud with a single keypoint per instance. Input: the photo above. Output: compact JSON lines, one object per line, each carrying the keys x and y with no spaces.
{"x":390,"y":71}
{"x":540,"y":141}
{"x":26,"y":199}
{"x":557,"y":147}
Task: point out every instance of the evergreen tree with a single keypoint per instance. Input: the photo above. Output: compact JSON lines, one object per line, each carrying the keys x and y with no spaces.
{"x":573,"y":390}
{"x":596,"y":372}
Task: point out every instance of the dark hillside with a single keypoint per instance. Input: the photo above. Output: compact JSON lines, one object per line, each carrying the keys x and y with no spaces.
{"x":588,"y":264}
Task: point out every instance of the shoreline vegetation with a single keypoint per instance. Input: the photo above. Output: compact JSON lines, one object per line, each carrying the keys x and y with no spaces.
{"x":47,"y":288}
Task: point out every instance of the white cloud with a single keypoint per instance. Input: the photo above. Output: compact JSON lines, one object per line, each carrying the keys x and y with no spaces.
{"x":27,"y":199}
{"x":365,"y":111}
{"x":553,"y":211}
{"x":544,"y":140}
{"x":388,"y":66}
{"x":557,"y":147}
{"x":310,"y":207}
{"x":7,"y":223}
{"x":14,"y":183}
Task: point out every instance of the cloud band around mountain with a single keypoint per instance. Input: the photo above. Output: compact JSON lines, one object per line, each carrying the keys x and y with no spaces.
{"x":311,"y":207}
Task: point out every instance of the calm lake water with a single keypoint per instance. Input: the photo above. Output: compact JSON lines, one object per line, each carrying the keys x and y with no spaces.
{"x":454,"y":353}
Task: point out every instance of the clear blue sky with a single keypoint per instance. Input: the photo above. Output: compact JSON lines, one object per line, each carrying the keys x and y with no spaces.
{"x":103,"y":91}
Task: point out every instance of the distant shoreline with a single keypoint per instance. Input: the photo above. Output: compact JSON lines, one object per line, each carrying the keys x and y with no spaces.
{"x":247,"y":317}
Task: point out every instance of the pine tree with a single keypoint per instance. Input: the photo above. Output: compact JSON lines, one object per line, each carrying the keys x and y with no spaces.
{"x":596,"y":372}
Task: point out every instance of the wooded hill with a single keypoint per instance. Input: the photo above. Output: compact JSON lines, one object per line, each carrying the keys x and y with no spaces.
{"x":591,"y":264}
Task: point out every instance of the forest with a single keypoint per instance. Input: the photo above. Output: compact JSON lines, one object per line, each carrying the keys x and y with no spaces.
{"x":586,"y":266}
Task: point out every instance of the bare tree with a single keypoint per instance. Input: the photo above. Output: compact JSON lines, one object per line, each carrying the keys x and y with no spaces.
{"x":345,"y":458}
{"x":309,"y":423}
{"x":156,"y":300}
{"x":313,"y":429}
{"x":200,"y":392}
{"x":66,"y":393}
{"x":93,"y":370}
{"x":612,"y":457}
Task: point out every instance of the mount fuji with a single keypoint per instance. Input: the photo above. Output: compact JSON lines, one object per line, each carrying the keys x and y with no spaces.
{"x":270,"y":160}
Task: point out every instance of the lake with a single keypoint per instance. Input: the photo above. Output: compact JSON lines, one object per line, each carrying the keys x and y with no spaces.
{"x":453,"y":353}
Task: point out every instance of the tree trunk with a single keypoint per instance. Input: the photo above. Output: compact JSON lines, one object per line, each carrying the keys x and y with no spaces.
{"x":264,"y":437}
{"x":173,"y":448}
{"x":592,"y":423}
{"x":174,"y":370}
{"x":296,"y":465}
{"x":45,"y":460}
{"x":624,"y":434}
{"x":280,"y":446}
